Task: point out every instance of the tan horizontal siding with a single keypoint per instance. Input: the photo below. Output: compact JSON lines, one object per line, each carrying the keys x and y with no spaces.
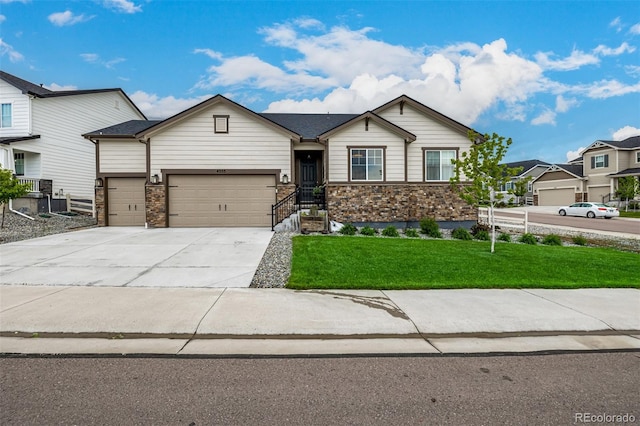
{"x":125,"y":156}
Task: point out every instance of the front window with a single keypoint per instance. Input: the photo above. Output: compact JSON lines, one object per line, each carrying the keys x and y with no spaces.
{"x":367,"y":164}
{"x":6,"y":118}
{"x":600,"y":161}
{"x":638,"y":157}
{"x":438,"y":165}
{"x":18,"y":159}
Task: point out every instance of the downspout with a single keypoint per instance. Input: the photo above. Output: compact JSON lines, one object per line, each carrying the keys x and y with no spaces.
{"x":17,"y":212}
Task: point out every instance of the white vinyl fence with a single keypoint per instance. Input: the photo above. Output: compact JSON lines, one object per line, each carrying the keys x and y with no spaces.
{"x":512,"y":219}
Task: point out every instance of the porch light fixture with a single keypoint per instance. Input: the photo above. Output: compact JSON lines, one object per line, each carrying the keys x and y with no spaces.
{"x":285,"y":179}
{"x":99,"y":183}
{"x":155,"y":179}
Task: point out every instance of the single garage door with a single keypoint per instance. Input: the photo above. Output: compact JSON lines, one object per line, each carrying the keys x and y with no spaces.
{"x":597,"y":193}
{"x":556,"y":197}
{"x":125,"y":198}
{"x":221,"y":200}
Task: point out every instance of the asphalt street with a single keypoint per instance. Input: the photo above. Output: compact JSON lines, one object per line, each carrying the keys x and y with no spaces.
{"x":508,"y":390}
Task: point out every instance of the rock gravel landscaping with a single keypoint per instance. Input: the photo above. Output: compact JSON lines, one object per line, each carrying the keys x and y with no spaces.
{"x":18,"y":228}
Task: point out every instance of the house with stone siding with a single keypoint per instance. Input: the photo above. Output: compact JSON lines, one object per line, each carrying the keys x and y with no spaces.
{"x":221,"y":164}
{"x":594,"y":177}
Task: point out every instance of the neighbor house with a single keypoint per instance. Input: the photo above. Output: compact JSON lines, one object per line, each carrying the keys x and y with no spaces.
{"x":41,"y":142}
{"x":592,"y":177}
{"x":529,"y":169}
{"x":221,"y":164}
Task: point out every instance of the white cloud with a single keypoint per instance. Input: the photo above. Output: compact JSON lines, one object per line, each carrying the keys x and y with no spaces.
{"x":66,"y":18}
{"x":616,"y":24}
{"x":122,"y":6}
{"x":635,"y":29}
{"x":210,"y":53}
{"x":546,"y":117}
{"x":607,"y":51}
{"x":8,"y":50}
{"x":252,"y":71}
{"x":564,"y":105}
{"x":461,"y":81}
{"x":14,"y":1}
{"x":605,"y":89}
{"x":155,"y":107}
{"x":57,"y":87}
{"x":625,"y":132}
{"x":572,"y":155}
{"x":2,"y":18}
{"x":94,"y":58}
{"x":574,"y":61}
{"x":344,"y":70}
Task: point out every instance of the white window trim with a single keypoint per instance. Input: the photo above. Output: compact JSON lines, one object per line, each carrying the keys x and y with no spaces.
{"x":595,"y":162}
{"x":2,"y":126}
{"x":424,"y":155}
{"x":367,"y":177}
{"x":638,"y":157}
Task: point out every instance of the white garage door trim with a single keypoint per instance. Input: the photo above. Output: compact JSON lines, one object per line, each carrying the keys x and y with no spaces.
{"x":224,"y":200}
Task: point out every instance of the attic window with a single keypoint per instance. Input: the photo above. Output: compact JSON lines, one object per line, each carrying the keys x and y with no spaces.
{"x":221,"y":123}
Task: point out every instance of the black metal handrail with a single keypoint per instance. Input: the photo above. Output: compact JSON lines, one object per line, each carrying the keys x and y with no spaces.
{"x":284,"y":208}
{"x":301,"y":198}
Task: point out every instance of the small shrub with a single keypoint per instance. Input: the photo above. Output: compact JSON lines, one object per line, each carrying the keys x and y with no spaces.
{"x":528,"y":239}
{"x":461,"y":234}
{"x":348,"y":229}
{"x":411,"y":233}
{"x":390,"y":231}
{"x":579,"y":240}
{"x":479,"y":227}
{"x":482,"y":236}
{"x":552,"y":240}
{"x":505,"y":238}
{"x":430,"y":227}
{"x":368,"y":231}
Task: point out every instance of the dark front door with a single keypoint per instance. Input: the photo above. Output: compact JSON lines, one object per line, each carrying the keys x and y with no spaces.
{"x":308,"y":178}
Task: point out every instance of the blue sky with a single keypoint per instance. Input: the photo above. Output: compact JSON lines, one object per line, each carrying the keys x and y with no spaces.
{"x":553,"y":75}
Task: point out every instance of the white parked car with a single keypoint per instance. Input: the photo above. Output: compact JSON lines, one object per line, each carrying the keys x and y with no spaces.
{"x":589,"y":210}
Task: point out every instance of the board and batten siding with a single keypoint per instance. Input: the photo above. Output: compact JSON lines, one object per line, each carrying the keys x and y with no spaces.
{"x":122,"y":156}
{"x":66,"y":157}
{"x":356,"y":136}
{"x":20,"y":125}
{"x":429,"y":134}
{"x":192,"y":144}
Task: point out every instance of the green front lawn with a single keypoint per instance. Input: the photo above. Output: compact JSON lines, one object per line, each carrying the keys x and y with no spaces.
{"x":331,"y":262}
{"x":633,"y":214}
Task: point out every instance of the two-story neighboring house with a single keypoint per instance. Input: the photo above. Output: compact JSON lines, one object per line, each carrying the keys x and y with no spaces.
{"x":529,"y":169}
{"x":41,"y":142}
{"x":593,"y":177}
{"x":221,"y":164}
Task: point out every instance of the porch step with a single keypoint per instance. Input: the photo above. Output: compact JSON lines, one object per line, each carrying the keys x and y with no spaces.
{"x":290,"y":224}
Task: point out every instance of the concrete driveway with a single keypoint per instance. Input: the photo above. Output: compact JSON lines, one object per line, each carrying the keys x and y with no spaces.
{"x":137,"y":257}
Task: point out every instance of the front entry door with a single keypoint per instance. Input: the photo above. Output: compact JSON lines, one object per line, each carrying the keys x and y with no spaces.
{"x":308,"y":178}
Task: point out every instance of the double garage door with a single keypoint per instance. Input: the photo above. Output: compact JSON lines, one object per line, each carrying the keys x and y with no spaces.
{"x":220,"y":200}
{"x":556,"y":197}
{"x":197,"y":200}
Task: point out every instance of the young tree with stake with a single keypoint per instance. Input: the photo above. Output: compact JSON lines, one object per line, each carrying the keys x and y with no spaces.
{"x":479,"y":173}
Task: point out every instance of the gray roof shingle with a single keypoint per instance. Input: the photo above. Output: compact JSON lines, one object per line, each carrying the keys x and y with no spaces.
{"x":309,"y":125}
{"x":127,"y":129}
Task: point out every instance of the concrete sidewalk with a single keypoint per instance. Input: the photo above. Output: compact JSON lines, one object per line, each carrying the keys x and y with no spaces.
{"x":233,"y":321}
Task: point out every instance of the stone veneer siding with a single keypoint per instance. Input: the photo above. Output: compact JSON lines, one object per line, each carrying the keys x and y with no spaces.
{"x":396,"y":202}
{"x":284,"y":190}
{"x":100,"y":206}
{"x":155,"y":204}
